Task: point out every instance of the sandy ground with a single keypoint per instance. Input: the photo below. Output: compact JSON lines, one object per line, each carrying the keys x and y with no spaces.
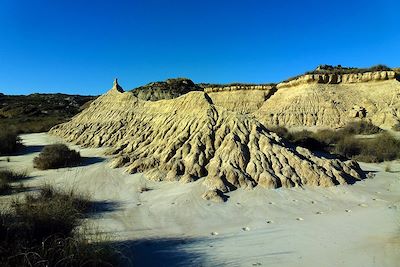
{"x":171,"y":225}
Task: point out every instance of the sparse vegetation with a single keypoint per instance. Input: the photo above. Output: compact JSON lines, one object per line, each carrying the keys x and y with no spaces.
{"x":41,"y":230}
{"x":56,"y":156}
{"x":9,"y":141}
{"x":38,"y":112}
{"x":383,"y":147}
{"x":361,"y":127}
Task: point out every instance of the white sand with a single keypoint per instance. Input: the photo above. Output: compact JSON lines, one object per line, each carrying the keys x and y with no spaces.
{"x":170,"y":225}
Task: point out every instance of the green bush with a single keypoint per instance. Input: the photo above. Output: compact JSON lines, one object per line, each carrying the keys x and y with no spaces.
{"x":361,"y":127}
{"x":56,"y":156}
{"x":343,"y":142}
{"x":40,"y":230}
{"x":382,"y":148}
{"x":9,"y":141}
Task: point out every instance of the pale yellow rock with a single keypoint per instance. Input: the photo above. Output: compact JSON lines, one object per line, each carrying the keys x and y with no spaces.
{"x":243,"y":101}
{"x":188,"y":138}
{"x":305,"y":103}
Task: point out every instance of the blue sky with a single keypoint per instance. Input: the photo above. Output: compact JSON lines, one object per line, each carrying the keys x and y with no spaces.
{"x":80,"y":46}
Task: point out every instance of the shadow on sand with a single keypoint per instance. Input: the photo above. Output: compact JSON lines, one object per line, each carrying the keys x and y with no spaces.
{"x":86,"y":161}
{"x":160,"y":252}
{"x":98,"y":208}
{"x":26,"y":150}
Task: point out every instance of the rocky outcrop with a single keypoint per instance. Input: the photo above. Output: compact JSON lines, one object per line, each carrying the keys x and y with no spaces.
{"x":169,"y":89}
{"x":188,"y":138}
{"x":239,"y":87}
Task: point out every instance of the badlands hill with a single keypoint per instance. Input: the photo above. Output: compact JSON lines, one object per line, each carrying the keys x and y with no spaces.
{"x":189,"y":138}
{"x":326,"y":97}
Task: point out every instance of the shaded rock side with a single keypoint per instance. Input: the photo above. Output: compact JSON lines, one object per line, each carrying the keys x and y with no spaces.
{"x":333,"y":105}
{"x":188,"y":138}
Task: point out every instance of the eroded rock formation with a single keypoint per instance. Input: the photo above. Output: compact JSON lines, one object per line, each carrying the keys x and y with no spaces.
{"x":333,"y":105}
{"x":188,"y":138}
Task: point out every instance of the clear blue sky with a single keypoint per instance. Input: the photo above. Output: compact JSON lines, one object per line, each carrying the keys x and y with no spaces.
{"x":80,"y":46}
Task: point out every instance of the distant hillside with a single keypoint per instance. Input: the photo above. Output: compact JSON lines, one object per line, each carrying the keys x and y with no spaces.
{"x":168,"y":89}
{"x":39,"y":112}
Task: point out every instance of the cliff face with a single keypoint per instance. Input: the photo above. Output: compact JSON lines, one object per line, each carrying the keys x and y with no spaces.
{"x":340,"y":78}
{"x":242,"y":98}
{"x":188,"y":138}
{"x":334,"y":100}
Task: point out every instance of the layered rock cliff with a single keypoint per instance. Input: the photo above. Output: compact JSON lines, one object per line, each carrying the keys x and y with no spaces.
{"x":331,"y":100}
{"x":188,"y":138}
{"x":334,"y":78}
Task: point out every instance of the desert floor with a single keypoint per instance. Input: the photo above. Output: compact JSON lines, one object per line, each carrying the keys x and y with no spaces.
{"x":171,"y":225}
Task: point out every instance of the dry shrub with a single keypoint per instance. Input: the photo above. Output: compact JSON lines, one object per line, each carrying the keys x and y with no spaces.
{"x":9,"y":141}
{"x":384,"y":147}
{"x":56,"y":156}
{"x":40,"y":230}
{"x":361,"y":127}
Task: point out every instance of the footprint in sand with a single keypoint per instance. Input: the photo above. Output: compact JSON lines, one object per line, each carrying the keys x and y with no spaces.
{"x":363,"y":205}
{"x":294,"y":200}
{"x":300,"y":219}
{"x":271,"y":203}
{"x":238,"y":203}
{"x":214,"y":233}
{"x":269,"y":222}
{"x":319,"y":212}
{"x":347,"y":210}
{"x":246,"y":229}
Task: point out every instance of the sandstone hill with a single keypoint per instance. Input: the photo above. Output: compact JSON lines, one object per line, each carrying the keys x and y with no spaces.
{"x":188,"y":138}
